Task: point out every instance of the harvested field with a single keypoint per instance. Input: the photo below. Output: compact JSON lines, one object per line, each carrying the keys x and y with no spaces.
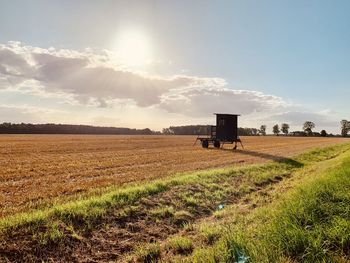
{"x":38,"y":168}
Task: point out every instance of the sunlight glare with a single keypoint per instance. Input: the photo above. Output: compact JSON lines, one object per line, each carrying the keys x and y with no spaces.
{"x":134,"y":48}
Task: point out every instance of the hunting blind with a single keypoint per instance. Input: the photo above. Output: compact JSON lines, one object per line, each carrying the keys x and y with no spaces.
{"x":225,"y":131}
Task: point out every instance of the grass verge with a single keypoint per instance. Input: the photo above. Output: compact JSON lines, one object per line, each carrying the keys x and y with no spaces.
{"x":309,"y":223}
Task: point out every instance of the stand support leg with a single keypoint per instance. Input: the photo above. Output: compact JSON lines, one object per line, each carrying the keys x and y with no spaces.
{"x":234,"y":148}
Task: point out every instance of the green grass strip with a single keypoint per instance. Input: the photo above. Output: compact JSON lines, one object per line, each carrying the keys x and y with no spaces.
{"x":311,"y":223}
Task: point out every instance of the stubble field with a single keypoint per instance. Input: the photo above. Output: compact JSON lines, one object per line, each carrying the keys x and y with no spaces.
{"x":39,"y":169}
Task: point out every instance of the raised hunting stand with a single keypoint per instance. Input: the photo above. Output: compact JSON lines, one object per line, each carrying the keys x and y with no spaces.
{"x":225,"y":131}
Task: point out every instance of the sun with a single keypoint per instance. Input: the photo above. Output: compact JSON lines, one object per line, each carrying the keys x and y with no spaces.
{"x":133,"y":47}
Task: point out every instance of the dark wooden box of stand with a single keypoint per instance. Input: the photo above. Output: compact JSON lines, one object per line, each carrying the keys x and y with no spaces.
{"x":225,"y":131}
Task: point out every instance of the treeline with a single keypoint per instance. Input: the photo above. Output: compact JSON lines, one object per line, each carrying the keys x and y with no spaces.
{"x":187,"y":130}
{"x":50,"y":128}
{"x":28,"y":128}
{"x":203,"y":130}
{"x":307,"y":130}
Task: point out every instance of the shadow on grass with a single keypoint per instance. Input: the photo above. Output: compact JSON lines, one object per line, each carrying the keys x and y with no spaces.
{"x":275,"y":158}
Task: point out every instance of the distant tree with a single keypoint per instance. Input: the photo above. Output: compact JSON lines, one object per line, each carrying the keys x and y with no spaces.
{"x":254,"y":131}
{"x":345,"y":127}
{"x":323,"y":133}
{"x":298,"y":133}
{"x":188,"y":130}
{"x":167,"y":131}
{"x":276,"y":129}
{"x":308,"y":126}
{"x":247,"y":131}
{"x":285,"y":128}
{"x":262,"y":130}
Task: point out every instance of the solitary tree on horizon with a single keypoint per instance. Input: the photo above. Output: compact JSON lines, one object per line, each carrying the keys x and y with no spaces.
{"x":276,"y":129}
{"x":285,"y":128}
{"x":308,"y":126}
{"x":262,"y":130}
{"x":345,"y":127}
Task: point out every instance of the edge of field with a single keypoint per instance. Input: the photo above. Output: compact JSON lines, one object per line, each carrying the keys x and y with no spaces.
{"x":303,"y":219}
{"x":217,"y":186}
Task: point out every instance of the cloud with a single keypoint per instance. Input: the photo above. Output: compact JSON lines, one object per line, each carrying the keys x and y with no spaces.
{"x":94,"y":78}
{"x":297,"y":118}
{"x":198,"y":102}
{"x":78,"y":77}
{"x":86,"y":75}
{"x":13,"y":67}
{"x":25,"y":113}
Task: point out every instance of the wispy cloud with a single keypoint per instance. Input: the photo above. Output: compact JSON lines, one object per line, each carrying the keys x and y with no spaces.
{"x":26,"y":113}
{"x":324,"y":119}
{"x":199,"y":101}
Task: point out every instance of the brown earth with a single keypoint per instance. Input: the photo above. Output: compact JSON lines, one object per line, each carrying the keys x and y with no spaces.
{"x":38,"y":168}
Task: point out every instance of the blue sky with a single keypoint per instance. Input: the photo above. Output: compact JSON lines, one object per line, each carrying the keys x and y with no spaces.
{"x":272,"y":61}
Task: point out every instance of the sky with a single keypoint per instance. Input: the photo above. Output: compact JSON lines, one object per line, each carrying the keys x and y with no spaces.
{"x":159,"y":63}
